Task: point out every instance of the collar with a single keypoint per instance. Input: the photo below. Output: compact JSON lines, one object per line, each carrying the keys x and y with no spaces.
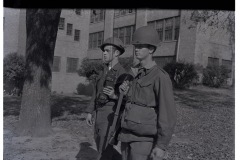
{"x":148,"y":68}
{"x":149,"y":65}
{"x":115,"y":67}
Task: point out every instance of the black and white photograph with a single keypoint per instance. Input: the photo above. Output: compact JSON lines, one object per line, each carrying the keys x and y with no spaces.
{"x":118,"y":84}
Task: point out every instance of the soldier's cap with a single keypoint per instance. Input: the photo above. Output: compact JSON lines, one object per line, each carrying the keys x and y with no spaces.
{"x":113,"y":41}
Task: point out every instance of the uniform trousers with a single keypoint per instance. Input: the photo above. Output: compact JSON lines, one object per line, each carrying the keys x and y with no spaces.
{"x":136,"y":150}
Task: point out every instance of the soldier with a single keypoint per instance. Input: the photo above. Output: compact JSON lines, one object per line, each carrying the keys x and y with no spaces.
{"x":150,"y":114}
{"x":105,"y":95}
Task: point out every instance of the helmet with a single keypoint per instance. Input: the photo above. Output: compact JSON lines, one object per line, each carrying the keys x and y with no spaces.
{"x":116,"y":42}
{"x":146,"y":35}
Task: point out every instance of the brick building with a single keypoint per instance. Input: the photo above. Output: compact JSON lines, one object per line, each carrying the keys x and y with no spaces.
{"x":82,"y":31}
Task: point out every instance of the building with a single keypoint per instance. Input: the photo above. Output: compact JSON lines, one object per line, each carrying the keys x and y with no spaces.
{"x":82,"y":31}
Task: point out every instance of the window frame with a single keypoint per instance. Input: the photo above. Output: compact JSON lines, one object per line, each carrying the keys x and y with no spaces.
{"x":71,"y":29}
{"x":69,"y":68}
{"x":58,"y":67}
{"x":61,"y":24}
{"x":75,"y":35}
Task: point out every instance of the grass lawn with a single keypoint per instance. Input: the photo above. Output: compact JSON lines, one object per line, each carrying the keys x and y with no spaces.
{"x":204,"y":130}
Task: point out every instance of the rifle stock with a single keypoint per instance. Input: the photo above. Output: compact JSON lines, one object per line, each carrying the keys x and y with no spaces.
{"x":114,"y":129}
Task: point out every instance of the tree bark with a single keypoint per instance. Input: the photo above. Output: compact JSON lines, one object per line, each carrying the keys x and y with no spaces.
{"x":35,"y":113}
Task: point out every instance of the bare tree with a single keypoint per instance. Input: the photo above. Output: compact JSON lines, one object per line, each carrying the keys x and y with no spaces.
{"x":35,"y":113}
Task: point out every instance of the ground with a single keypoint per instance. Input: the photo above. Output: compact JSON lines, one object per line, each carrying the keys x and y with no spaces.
{"x":204,"y":130}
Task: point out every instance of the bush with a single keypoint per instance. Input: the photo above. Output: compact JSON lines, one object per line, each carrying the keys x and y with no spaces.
{"x":13,"y":72}
{"x":85,"y":89}
{"x":126,"y":62}
{"x":182,"y":74}
{"x":90,"y":68}
{"x":215,"y":76}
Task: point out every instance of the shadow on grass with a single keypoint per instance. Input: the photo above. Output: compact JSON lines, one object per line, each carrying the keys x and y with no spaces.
{"x":59,"y":105}
{"x":88,"y":153}
{"x":203,"y":100}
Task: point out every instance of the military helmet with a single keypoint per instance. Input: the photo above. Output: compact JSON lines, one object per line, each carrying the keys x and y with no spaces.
{"x":116,"y":42}
{"x":146,"y":35}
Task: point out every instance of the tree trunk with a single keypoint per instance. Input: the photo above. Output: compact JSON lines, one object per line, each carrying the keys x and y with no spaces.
{"x":35,"y":113}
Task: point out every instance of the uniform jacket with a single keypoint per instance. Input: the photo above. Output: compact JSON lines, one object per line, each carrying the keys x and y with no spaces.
{"x":99,"y":85}
{"x":150,"y":113}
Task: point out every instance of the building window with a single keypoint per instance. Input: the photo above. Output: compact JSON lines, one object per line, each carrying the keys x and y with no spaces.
{"x":72,"y":65}
{"x":95,"y":40}
{"x":124,"y":34}
{"x":97,"y":15}
{"x":163,"y":60}
{"x":123,"y":12}
{"x":77,"y":35}
{"x":176,"y":28}
{"x":213,"y":61}
{"x":56,"y":64}
{"x":61,"y":23}
{"x":78,"y":11}
{"x":159,"y":28}
{"x":69,"y":29}
{"x":168,"y":29}
{"x":228,"y":65}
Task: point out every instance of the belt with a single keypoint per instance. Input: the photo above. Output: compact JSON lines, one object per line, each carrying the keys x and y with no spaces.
{"x":142,"y":105}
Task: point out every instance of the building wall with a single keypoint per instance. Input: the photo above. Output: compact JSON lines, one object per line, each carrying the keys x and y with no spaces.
{"x":211,"y":43}
{"x":11,"y":22}
{"x":187,"y":40}
{"x":63,"y":82}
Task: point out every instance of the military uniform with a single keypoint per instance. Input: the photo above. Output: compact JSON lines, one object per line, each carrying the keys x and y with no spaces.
{"x":150,"y":114}
{"x":104,"y":107}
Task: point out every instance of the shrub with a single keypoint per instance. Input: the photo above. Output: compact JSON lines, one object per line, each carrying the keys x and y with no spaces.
{"x":215,"y":76}
{"x":85,"y":89}
{"x":182,"y":74}
{"x":90,"y":68}
{"x":13,"y":72}
{"x":126,"y":62}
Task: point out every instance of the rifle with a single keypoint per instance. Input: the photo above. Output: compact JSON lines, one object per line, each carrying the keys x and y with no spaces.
{"x":114,"y":129}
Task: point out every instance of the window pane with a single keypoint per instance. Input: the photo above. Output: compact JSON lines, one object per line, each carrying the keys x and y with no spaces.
{"x":97,"y":15}
{"x":78,"y":11}
{"x":152,"y":24}
{"x":90,"y":41}
{"x":56,"y":64}
{"x":72,"y":64}
{"x":115,"y":33}
{"x":168,"y":29}
{"x":159,"y":28}
{"x":176,"y":30}
{"x":228,"y":65}
{"x":69,"y":29}
{"x":121,"y":34}
{"x":116,"y":12}
{"x":61,"y":23}
{"x":100,"y":36}
{"x":213,"y":61}
{"x":77,"y":35}
{"x":128,"y":35}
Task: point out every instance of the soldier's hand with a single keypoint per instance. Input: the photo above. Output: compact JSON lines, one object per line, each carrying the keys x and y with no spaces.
{"x":124,"y":87}
{"x":89,"y":119}
{"x":158,"y":154}
{"x":110,"y":92}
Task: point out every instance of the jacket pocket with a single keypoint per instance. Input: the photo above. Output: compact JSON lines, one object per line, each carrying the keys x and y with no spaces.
{"x":140,"y":120}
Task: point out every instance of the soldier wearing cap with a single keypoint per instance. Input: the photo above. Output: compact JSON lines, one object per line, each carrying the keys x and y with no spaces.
{"x":105,"y":95}
{"x":150,"y":114}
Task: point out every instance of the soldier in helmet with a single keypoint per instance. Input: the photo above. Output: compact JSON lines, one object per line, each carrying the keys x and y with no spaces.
{"x":105,"y":95}
{"x":150,"y":115}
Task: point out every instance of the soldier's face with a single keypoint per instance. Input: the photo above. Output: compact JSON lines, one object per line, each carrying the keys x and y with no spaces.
{"x":142,"y":51}
{"x":109,"y":53}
